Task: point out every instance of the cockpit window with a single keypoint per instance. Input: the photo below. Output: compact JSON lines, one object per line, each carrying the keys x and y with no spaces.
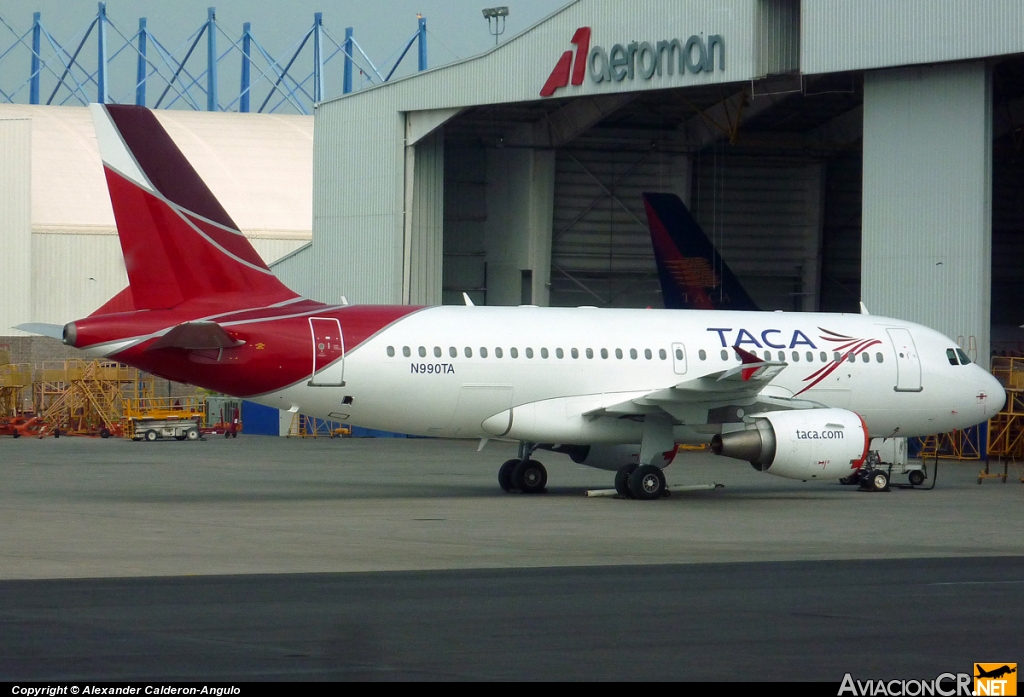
{"x":951,"y":356}
{"x":964,"y":360}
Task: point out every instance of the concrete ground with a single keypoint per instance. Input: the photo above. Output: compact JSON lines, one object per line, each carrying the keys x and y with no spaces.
{"x":81,"y":508}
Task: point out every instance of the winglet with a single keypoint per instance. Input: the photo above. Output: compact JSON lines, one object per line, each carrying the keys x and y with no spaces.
{"x":864,"y":308}
{"x":748,"y":359}
{"x":469,"y":303}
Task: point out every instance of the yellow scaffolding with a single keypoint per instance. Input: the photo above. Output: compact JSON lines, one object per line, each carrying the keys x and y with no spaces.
{"x":183,"y":408}
{"x":15,"y":378}
{"x":79,"y":397}
{"x":303,"y":426}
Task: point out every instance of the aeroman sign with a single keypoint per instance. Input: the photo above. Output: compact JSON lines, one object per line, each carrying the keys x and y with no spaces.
{"x":636,"y":58}
{"x":647,"y":60}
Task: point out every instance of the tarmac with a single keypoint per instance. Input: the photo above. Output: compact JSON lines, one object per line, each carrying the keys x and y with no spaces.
{"x":335,"y":559}
{"x":89,"y":508}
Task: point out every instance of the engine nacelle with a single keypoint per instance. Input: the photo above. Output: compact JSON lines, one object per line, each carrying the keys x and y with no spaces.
{"x":800,"y":444}
{"x":608,"y":457}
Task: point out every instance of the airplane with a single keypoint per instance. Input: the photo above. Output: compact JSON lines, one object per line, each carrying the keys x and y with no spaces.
{"x":995,"y":673}
{"x":692,"y":273}
{"x":797,"y":395}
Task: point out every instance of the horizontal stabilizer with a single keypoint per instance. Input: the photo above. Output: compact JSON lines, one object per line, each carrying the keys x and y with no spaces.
{"x":54,"y":330}
{"x":196,"y":336}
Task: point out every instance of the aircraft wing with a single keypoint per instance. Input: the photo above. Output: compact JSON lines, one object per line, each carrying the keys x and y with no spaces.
{"x":196,"y":336}
{"x":742,"y":385}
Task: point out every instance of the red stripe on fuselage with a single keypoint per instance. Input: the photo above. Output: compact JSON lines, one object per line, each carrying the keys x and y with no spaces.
{"x":278,"y":349}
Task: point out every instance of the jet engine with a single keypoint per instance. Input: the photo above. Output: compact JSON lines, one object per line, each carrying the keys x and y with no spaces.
{"x":607,"y":457}
{"x":800,"y":444}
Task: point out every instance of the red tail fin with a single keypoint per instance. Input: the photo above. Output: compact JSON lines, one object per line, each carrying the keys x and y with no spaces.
{"x":179,"y":243}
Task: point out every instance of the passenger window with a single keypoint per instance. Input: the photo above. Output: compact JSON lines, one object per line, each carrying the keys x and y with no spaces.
{"x":590,"y":353}
{"x":514,"y":352}
{"x":543,"y":353}
{"x":725,"y":355}
{"x":702,"y":354}
{"x":810,"y":357}
{"x":529,"y":353}
{"x":575,"y":353}
{"x":878,"y":357}
{"x":836,"y":357}
{"x":796,"y":356}
{"x":453,"y":352}
{"x":406,"y":352}
{"x":483,"y":352}
{"x":618,"y":353}
{"x":824,"y":357}
{"x":423,"y":351}
{"x":559,"y":353}
{"x":391,"y":351}
{"x":604,"y":353}
{"x":633,"y":354}
{"x":964,"y":360}
{"x":437,"y":351}
{"x":469,"y":352}
{"x":850,"y":358}
{"x":662,"y":355}
{"x":865,"y":357}
{"x":497,"y":352}
{"x":679,"y":354}
{"x":782,"y":356}
{"x":648,"y":355}
{"x":767,"y":355}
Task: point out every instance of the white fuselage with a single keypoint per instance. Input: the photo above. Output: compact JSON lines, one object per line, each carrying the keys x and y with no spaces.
{"x":444,"y":371}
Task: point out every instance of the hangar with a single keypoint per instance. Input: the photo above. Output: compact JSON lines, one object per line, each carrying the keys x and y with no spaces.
{"x":833,"y":150}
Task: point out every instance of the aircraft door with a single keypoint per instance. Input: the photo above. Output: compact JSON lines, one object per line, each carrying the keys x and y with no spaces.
{"x":328,"y":352}
{"x":908,"y":364}
{"x":679,"y":358}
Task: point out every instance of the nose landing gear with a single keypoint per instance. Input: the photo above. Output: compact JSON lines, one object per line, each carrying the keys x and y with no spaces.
{"x":523,"y":473}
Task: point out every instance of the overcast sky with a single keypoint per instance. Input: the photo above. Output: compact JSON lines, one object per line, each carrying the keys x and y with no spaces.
{"x":456,"y":29}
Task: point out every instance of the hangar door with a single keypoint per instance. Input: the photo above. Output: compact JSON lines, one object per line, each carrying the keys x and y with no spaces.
{"x":763,"y":214}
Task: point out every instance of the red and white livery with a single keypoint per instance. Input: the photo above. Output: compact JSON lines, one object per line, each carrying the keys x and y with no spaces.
{"x":796,"y":394}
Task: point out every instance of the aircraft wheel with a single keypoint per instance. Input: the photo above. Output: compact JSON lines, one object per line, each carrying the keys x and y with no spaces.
{"x":916,"y":477}
{"x":530,"y":477}
{"x":622,"y":481}
{"x":505,"y":475}
{"x":151,"y":436}
{"x":879,"y":481}
{"x":647,"y":483}
{"x":192,"y":434}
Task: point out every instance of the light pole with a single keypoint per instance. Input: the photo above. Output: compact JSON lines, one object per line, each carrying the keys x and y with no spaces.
{"x":498,"y":14}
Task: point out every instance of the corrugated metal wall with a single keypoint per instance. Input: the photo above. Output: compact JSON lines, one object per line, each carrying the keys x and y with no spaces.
{"x":777,"y":37}
{"x":1008,"y":241}
{"x":838,"y":35}
{"x":763,"y":215}
{"x":15,"y":223}
{"x":840,"y":273}
{"x":601,"y":246}
{"x":72,"y":275}
{"x":465,"y":216}
{"x":927,"y":214}
{"x":358,"y":173}
{"x":294,"y":270}
{"x":426,"y":243}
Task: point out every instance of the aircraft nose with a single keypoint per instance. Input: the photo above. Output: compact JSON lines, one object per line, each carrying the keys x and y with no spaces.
{"x":991,"y":394}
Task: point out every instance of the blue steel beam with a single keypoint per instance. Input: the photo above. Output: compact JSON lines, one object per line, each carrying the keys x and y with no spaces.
{"x":140,"y":72}
{"x":101,"y":50}
{"x":33,"y":90}
{"x":347,"y":50}
{"x":243,"y":94}
{"x":211,"y":59}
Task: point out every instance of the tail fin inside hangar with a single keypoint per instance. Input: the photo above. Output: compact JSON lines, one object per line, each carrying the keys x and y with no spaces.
{"x":179,"y":243}
{"x":692,"y":273}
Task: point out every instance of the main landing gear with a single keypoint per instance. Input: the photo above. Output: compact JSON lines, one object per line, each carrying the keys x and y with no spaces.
{"x":641,"y":482}
{"x":523,"y":473}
